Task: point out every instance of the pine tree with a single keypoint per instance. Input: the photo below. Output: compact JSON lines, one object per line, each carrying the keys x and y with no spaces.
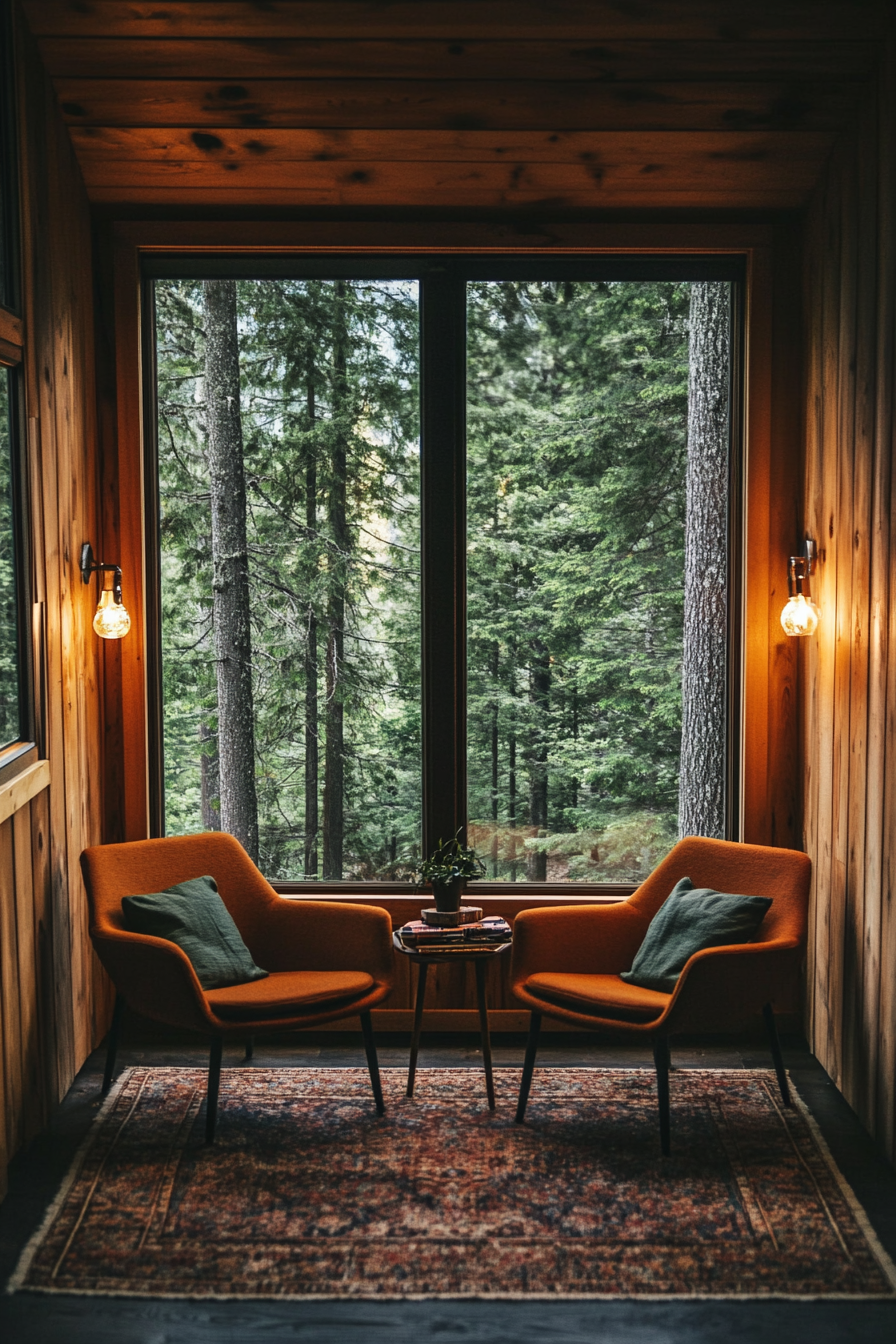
{"x":298,"y":571}
{"x":576,"y":446}
{"x":701,"y":793}
{"x":230,"y":568}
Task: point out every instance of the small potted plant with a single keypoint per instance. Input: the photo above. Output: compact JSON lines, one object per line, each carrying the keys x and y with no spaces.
{"x":447,"y":870}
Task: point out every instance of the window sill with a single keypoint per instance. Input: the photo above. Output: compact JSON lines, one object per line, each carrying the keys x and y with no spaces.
{"x":19,"y":785}
{"x":16,"y":758}
{"x":404,"y":906}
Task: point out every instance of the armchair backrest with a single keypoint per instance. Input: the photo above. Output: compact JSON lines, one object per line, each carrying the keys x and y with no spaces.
{"x":747,"y":870}
{"x":137,"y":867}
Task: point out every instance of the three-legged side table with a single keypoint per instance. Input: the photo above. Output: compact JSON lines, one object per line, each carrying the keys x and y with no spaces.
{"x":479,"y":956}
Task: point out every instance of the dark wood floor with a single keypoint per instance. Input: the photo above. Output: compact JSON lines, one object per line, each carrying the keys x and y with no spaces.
{"x":34,"y":1177}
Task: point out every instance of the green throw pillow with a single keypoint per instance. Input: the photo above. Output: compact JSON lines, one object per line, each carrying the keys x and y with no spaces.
{"x":193,"y":915}
{"x":690,"y":919}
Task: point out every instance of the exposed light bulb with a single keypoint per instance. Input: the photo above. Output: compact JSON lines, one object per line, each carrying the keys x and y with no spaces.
{"x":111,"y":620}
{"x":800,"y":616}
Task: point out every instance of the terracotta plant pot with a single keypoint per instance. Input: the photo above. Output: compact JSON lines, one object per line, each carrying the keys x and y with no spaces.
{"x":447,"y":895}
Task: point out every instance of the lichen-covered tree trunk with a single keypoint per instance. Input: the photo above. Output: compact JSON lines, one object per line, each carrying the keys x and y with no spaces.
{"x":495,"y":745}
{"x":230,"y":567}
{"x":540,"y":697}
{"x":511,"y":787}
{"x":701,"y":791}
{"x":311,"y":728}
{"x":334,"y":754}
{"x":208,"y":781}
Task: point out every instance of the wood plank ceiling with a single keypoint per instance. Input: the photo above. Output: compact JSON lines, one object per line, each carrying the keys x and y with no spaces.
{"x":487,"y":104}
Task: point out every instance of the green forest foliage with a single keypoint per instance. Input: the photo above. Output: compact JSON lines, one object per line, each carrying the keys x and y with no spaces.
{"x":577,"y":418}
{"x":290,"y":417}
{"x":9,"y":671}
{"x":577,"y":427}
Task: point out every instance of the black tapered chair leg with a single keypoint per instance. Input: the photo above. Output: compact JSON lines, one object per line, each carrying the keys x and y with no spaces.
{"x":250,"y":1049}
{"x":661,"y":1060}
{"x":214,"y":1083}
{"x":112,"y":1043}
{"x":528,"y":1066}
{"x":775,"y":1043}
{"x":372,"y":1061}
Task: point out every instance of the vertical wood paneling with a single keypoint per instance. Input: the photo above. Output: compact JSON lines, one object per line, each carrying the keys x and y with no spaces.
{"x":860,"y":964}
{"x":843,"y":386}
{"x":9,"y":994}
{"x":810,"y":719}
{"x":885,"y":588}
{"x":783,"y":784}
{"x":822,"y":744}
{"x":849,"y":670}
{"x":32,"y":1101}
{"x":755,"y":737}
{"x":54,"y":1000}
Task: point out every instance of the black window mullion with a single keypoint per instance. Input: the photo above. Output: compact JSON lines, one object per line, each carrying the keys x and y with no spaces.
{"x":443,"y":527}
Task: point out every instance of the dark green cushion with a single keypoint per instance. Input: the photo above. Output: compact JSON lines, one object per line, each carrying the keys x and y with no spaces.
{"x":193,"y":915}
{"x":690,"y":919}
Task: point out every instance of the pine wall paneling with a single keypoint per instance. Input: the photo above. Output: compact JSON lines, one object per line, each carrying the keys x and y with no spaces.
{"x":848,"y":695}
{"x":54,"y":999}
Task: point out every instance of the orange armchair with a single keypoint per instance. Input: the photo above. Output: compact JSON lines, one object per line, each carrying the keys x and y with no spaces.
{"x":326,"y":960}
{"x":567,"y":960}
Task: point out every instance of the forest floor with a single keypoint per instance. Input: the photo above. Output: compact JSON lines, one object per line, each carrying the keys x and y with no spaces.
{"x":35,"y":1176}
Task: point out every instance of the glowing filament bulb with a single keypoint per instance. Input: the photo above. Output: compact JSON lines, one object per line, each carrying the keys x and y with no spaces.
{"x":800,"y":616}
{"x":111,"y":620}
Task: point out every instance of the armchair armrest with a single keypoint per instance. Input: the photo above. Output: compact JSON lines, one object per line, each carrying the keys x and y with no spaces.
{"x":583,"y":939}
{"x":326,"y":936}
{"x":155,"y":976}
{"x":723,"y":987}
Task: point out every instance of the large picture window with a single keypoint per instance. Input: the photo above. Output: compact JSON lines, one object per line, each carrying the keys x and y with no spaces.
{"x":441,"y":549}
{"x":14,"y":677}
{"x":11,"y":690}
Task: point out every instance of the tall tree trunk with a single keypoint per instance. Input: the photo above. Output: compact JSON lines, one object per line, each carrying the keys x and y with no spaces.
{"x":540,"y":694}
{"x":511,"y":790}
{"x":208,"y":781}
{"x":230,"y":567}
{"x":701,"y":791}
{"x":334,"y":761}
{"x":495,"y":743}
{"x":311,"y":727}
{"x":209,"y":785}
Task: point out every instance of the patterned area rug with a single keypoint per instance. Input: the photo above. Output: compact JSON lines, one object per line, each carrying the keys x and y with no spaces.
{"x":307,"y":1193}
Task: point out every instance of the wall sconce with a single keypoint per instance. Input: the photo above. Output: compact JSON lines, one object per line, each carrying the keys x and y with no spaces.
{"x":800,"y":615}
{"x":111,"y":620}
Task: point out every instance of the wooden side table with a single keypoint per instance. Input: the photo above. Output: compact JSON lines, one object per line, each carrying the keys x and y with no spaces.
{"x":479,"y":957}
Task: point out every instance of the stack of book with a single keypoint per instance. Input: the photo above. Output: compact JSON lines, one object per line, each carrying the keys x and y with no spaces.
{"x":418,"y":936}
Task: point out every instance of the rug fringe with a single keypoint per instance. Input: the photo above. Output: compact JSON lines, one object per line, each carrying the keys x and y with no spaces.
{"x":887,"y":1267}
{"x":461,"y":1297}
{"x":17,"y":1277}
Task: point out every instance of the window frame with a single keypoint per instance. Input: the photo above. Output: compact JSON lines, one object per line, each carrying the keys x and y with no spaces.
{"x":10,"y":226}
{"x":771,"y":497}
{"x":23,"y":743}
{"x":17,"y":755}
{"x":443,"y":277}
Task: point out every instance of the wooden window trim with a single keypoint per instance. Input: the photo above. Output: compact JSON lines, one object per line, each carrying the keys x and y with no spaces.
{"x":767,"y":779}
{"x":12,"y":341}
{"x":17,"y":757}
